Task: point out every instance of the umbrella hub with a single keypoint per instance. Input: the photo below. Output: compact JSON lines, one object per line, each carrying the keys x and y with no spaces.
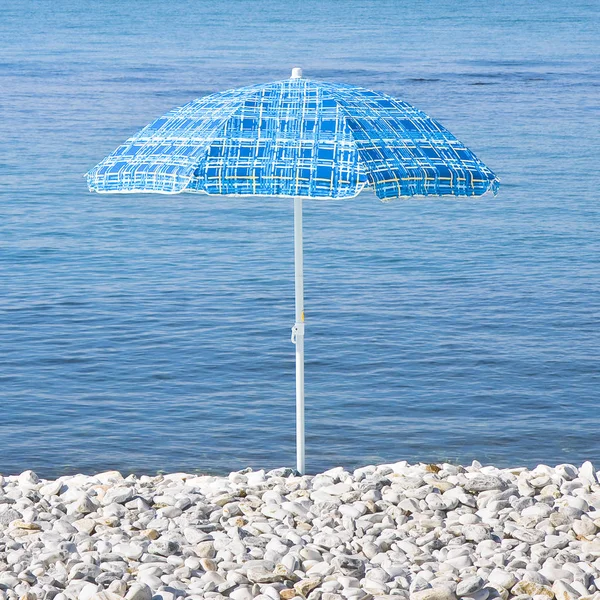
{"x":296,"y":73}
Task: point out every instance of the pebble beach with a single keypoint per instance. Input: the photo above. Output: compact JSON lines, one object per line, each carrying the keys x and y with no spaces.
{"x":415,"y":532}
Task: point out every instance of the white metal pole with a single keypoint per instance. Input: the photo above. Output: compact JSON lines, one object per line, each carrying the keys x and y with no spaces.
{"x":298,"y":334}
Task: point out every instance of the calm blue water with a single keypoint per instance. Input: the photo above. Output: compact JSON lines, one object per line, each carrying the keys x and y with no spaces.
{"x":150,"y":333}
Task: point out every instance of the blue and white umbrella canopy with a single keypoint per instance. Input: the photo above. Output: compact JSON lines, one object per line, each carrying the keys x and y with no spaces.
{"x":295,"y":138}
{"x":291,"y":138}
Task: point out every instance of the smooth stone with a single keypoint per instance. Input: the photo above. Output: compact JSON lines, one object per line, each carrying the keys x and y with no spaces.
{"x":206,"y":549}
{"x":482,"y":483}
{"x":588,"y":473}
{"x":130,"y":551}
{"x":433,"y":593}
{"x":356,"y":594}
{"x":28,"y":480}
{"x":331,"y":586}
{"x":311,"y":554}
{"x":530,"y":536}
{"x":28,"y":577}
{"x":352,"y":510}
{"x":540,"y":482}
{"x":502,"y":578}
{"x":377,"y":588}
{"x":170,"y":512}
{"x":566,"y":471}
{"x":409,"y":548}
{"x":327,"y":540}
{"x":105,"y":595}
{"x":120,"y":495}
{"x":475,"y":533}
{"x":295,"y":508}
{"x":84,"y":571}
{"x":445,"y":581}
{"x":26,"y":525}
{"x":580,"y":588}
{"x":531,"y":588}
{"x":194,"y":536}
{"x":152,"y":581}
{"x":213,"y":577}
{"x":84,"y":505}
{"x":262,"y":575}
{"x":469,"y":586}
{"x":370,"y":550}
{"x":208,"y":564}
{"x":556,"y":541}
{"x":349,"y":582}
{"x":575,"y":502}
{"x":337,"y":489}
{"x":305,"y":586}
{"x":85,"y":525}
{"x":435,"y":502}
{"x":118,"y":587}
{"x":536,"y":510}
{"x":52,"y":488}
{"x":395,"y":569}
{"x":8,"y":516}
{"x":482,"y":594}
{"x":243,"y":593}
{"x":163,"y":547}
{"x":469,"y":519}
{"x":139,"y":591}
{"x":563,"y":591}
{"x":378,"y":574}
{"x":584,"y":527}
{"x":321,"y":569}
{"x":290,"y":562}
{"x":535,"y":577}
{"x":460,"y":562}
{"x":553,"y":574}
{"x":64,"y":527}
{"x":88,"y":591}
{"x":410,"y":505}
{"x":164,"y":595}
{"x":592,"y":547}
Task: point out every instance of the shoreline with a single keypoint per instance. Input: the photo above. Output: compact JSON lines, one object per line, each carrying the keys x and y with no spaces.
{"x":404,"y":531}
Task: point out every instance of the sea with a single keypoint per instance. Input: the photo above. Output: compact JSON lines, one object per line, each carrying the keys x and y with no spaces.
{"x":151,"y":333}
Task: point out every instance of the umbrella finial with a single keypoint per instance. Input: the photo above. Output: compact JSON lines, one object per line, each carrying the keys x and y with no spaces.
{"x":296,"y":73}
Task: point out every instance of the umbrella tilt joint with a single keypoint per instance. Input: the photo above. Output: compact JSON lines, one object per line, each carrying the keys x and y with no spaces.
{"x":297,"y":329}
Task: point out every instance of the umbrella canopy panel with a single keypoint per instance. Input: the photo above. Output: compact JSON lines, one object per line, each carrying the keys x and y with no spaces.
{"x":295,"y":137}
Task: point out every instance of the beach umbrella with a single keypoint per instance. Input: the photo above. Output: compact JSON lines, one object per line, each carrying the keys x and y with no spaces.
{"x":296,"y":138}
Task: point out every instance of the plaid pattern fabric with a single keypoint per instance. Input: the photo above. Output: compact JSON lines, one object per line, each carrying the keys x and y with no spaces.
{"x":295,"y":137}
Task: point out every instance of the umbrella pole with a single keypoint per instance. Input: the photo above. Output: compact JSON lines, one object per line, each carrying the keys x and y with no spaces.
{"x":298,"y":333}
